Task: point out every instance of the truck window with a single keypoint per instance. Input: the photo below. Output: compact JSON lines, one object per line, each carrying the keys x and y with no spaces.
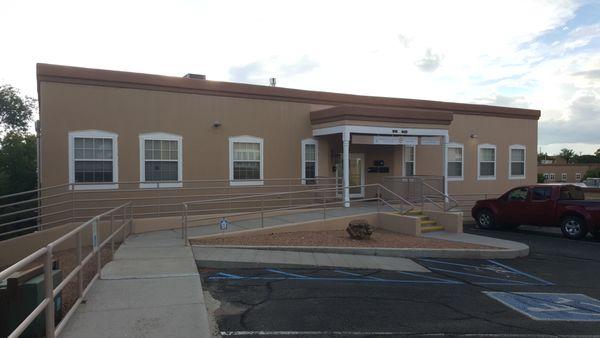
{"x":571,"y":193}
{"x":519,"y":194}
{"x":541,"y":193}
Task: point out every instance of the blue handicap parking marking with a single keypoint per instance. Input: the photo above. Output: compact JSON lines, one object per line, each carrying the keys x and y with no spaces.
{"x":483,"y":272}
{"x":337,"y":275}
{"x":551,"y":306}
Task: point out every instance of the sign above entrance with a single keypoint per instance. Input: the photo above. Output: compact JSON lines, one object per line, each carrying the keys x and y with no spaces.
{"x":430,"y":140}
{"x":406,"y":140}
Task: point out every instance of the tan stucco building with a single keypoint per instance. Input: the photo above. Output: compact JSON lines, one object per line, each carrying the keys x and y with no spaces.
{"x":570,"y":173}
{"x":101,"y":128}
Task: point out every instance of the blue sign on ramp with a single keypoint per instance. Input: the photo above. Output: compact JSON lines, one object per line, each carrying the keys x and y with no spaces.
{"x":551,"y":306}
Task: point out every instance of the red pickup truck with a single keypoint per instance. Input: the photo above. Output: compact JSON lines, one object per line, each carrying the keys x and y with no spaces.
{"x":544,"y":205}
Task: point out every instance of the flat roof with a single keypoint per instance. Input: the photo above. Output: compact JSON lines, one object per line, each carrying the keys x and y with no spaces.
{"x":111,"y":78}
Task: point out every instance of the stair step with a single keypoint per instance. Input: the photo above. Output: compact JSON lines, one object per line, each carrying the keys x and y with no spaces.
{"x":414,"y":213}
{"x":432,"y":228}
{"x":428,"y":222}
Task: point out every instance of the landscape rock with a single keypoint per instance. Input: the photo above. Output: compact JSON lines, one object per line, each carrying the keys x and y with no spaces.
{"x":359,"y":229}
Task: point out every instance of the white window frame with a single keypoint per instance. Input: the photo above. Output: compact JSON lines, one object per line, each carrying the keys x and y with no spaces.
{"x":303,"y":150}
{"x":578,"y":176}
{"x":552,"y":177}
{"x":414,"y":161}
{"x":160,"y":136}
{"x":563,"y":176}
{"x":486,"y":146}
{"x":246,"y":139}
{"x":115,"y":160}
{"x":510,"y":161}
{"x":462,"y":165}
{"x":546,"y":176}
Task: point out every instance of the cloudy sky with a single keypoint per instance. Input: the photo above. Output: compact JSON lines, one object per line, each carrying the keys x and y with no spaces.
{"x":533,"y":54}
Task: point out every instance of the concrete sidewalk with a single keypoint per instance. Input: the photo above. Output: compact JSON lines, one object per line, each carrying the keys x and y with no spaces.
{"x":215,"y":257}
{"x":151,"y":289}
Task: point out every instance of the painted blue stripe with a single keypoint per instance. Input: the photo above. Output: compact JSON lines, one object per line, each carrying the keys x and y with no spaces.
{"x":520,"y":272}
{"x":433,"y":278}
{"x":329,"y":279}
{"x":450,"y":263}
{"x":286,"y":273}
{"x":479,"y":276}
{"x":358,"y":275}
{"x":230,"y":275}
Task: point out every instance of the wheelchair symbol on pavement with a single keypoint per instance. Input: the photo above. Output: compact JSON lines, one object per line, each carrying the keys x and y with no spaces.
{"x":551,"y":306}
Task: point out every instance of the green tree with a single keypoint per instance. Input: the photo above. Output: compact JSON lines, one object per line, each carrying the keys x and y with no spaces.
{"x":592,"y":173}
{"x":16,"y":111}
{"x":18,"y":167}
{"x":567,"y":154}
{"x":597,"y":153}
{"x":586,"y":159}
{"x":542,"y":156}
{"x":540,"y":178}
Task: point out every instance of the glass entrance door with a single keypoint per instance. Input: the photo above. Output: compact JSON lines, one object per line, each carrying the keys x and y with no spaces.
{"x":357,"y":175}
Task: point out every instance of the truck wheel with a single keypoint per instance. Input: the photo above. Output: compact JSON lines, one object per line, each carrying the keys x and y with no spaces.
{"x":573,"y":227}
{"x":485,"y":219}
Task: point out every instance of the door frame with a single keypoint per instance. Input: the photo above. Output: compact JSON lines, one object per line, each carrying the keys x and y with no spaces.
{"x":339,"y":175}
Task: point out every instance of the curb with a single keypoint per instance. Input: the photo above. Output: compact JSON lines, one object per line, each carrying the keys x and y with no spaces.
{"x":520,"y":251}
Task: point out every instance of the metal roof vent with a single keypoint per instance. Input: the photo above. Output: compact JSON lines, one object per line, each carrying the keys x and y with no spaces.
{"x":195,"y":76}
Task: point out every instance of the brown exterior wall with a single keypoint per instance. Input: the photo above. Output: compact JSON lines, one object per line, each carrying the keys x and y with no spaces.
{"x":129,"y":112}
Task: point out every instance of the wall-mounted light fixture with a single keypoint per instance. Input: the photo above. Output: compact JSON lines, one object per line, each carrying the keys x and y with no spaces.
{"x":217,"y":124}
{"x":474,"y":136}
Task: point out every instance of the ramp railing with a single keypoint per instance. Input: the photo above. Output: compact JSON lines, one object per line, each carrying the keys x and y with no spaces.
{"x":316,"y":199}
{"x":116,"y":221}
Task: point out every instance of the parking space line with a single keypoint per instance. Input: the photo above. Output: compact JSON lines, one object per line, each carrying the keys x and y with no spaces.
{"x":507,"y":282}
{"x":358,"y":275}
{"x":545,"y":282}
{"x":450,"y":281}
{"x":286,"y":273}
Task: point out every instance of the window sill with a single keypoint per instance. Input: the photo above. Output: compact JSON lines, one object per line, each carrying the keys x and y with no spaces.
{"x":486,"y":178}
{"x":450,"y":179}
{"x":159,"y":185}
{"x":516,"y":177}
{"x":246,"y":183}
{"x":111,"y":186}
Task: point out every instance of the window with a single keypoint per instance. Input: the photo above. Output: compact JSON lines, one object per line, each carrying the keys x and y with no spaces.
{"x":546,"y":176}
{"x":486,"y":157}
{"x":578,"y":176}
{"x":571,"y":193}
{"x":541,"y":193}
{"x":160,"y":160}
{"x":93,"y":159}
{"x":517,"y":162}
{"x":245,"y":160}
{"x":455,"y":162}
{"x":551,"y":176}
{"x":563,"y":176}
{"x":310,"y":155}
{"x":519,"y":194}
{"x":409,"y":160}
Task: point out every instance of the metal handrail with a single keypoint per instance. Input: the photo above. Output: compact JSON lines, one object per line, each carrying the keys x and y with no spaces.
{"x":262,"y":211}
{"x":47,"y":305}
{"x":443,"y":194}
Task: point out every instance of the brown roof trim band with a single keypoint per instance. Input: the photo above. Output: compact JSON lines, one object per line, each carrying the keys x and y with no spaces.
{"x":99,"y":77}
{"x":378,"y":114}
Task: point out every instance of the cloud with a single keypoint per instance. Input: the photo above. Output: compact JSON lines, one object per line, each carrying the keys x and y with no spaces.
{"x":404,"y":40}
{"x":590,"y":74}
{"x":430,"y":61}
{"x":305,"y":64}
{"x":582,"y":126}
{"x":249,"y":73}
{"x":505,"y":101}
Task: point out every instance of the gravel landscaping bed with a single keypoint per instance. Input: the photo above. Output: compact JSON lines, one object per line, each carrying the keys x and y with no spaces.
{"x":338,"y":238}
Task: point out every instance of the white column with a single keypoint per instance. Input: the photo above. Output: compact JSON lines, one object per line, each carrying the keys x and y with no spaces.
{"x":445,"y":140}
{"x":346,"y":161}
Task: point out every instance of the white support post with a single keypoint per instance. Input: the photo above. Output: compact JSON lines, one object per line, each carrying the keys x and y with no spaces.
{"x":346,"y":161}
{"x":445,"y":141}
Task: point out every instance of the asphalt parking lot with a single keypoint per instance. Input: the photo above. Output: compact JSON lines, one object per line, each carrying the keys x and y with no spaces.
{"x":552,"y":292}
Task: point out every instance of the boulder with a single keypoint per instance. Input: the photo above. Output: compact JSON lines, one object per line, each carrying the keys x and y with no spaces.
{"x":359,"y":229}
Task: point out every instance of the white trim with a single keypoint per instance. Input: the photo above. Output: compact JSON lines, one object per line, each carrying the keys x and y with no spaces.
{"x":246,"y":139}
{"x":510,"y":161}
{"x":92,"y":133}
{"x":303,"y":151}
{"x":578,"y":176}
{"x":166,"y":137}
{"x":362,"y":175}
{"x":552,"y":177}
{"x":380,"y":131}
{"x":462,"y":164}
{"x":414,"y":160}
{"x":486,"y":146}
{"x":563,"y":176}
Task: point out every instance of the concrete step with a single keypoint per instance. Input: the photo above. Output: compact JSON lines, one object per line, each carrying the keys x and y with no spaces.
{"x":427,"y":222}
{"x":414,"y":213}
{"x":431,"y":228}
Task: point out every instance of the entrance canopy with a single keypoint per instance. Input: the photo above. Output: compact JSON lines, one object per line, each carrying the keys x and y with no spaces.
{"x":383,"y":126}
